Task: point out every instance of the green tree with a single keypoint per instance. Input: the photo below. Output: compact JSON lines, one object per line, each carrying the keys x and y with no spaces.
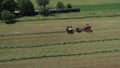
{"x":7,"y":16}
{"x":0,"y":5}
{"x":9,"y":5}
{"x":26,"y":7}
{"x":69,"y":6}
{"x":60,"y":5}
{"x":43,"y":3}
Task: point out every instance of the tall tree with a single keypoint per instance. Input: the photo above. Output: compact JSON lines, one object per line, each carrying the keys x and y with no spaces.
{"x":9,"y":5}
{"x":0,"y":5}
{"x":43,"y":3}
{"x":1,"y":1}
{"x":0,"y":8}
{"x":26,"y":7}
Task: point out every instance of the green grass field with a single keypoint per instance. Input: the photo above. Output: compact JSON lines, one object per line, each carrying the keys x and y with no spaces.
{"x":19,"y":47}
{"x":41,"y":42}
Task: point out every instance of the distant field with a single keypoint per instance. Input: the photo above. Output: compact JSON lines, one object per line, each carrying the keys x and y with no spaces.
{"x":88,"y":8}
{"x":36,"y":50}
{"x":87,"y":5}
{"x":99,"y":7}
{"x":94,"y":8}
{"x":80,"y":2}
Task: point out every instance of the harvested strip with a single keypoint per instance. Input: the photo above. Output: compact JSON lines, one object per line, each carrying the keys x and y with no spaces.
{"x":32,"y":33}
{"x":61,"y":55}
{"x":62,"y":43}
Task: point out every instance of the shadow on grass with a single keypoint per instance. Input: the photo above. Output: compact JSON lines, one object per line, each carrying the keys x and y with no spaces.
{"x":10,"y":22}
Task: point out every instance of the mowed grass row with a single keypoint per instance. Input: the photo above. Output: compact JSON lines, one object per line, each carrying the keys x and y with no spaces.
{"x":57,"y":43}
{"x":42,"y":40}
{"x":7,"y":54}
{"x":110,"y":60}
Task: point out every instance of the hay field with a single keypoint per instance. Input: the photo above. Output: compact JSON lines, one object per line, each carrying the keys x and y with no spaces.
{"x":42,"y":42}
{"x":45,"y":44}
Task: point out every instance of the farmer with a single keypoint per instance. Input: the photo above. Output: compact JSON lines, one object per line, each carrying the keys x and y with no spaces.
{"x":69,"y":29}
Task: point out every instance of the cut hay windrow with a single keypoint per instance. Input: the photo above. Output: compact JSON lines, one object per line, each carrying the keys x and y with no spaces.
{"x":61,"y":43}
{"x":35,"y":33}
{"x":32,"y":33}
{"x":59,"y":55}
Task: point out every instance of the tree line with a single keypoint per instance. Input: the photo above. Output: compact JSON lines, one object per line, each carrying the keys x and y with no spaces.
{"x":8,"y":7}
{"x":26,"y":8}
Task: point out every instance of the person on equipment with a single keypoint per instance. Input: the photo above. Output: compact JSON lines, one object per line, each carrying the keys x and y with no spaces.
{"x":69,"y":30}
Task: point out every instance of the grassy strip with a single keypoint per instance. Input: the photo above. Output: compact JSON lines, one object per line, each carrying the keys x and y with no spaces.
{"x":65,"y":18}
{"x":62,"y":43}
{"x":61,"y":55}
{"x":33,"y":33}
